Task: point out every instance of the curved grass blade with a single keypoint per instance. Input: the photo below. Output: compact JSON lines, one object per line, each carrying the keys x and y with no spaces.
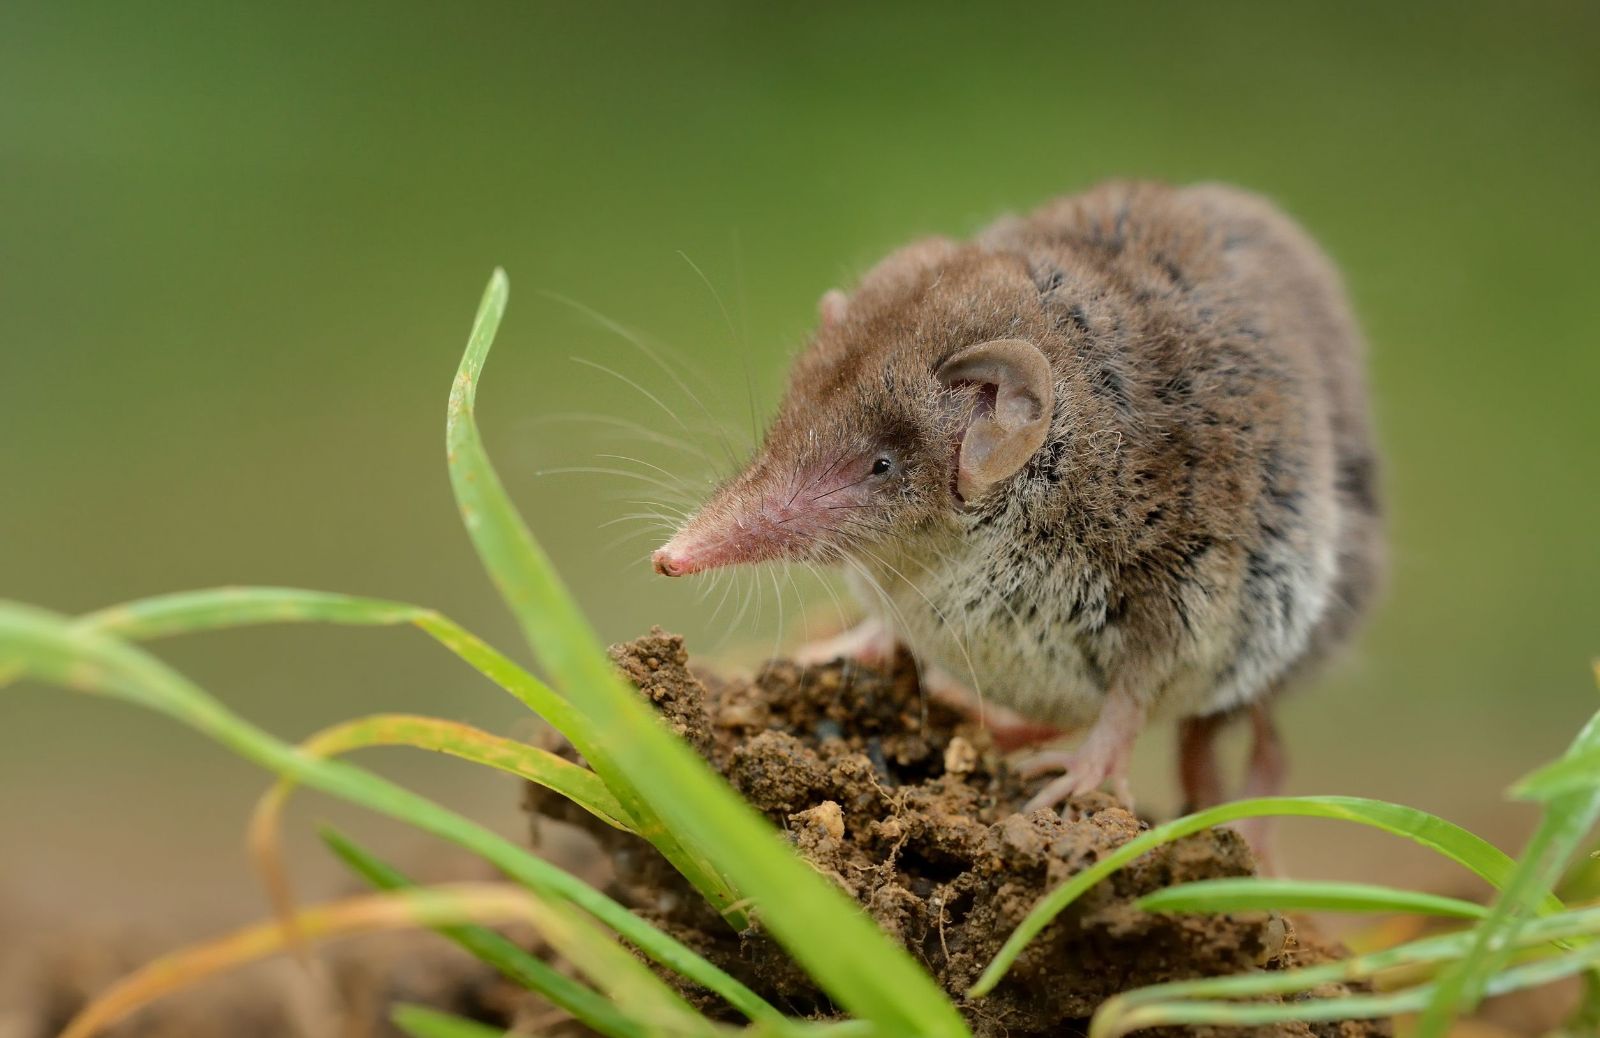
{"x":579,"y":785}
{"x":422,"y":1022}
{"x":213,"y":609}
{"x":194,"y":611}
{"x":51,"y":648}
{"x":1426,"y":951}
{"x":1575,"y":773}
{"x":849,"y":957}
{"x":593,"y":1010}
{"x":634,"y":989}
{"x":1430,"y":831}
{"x":506,"y":547}
{"x":1568,"y":817}
{"x":1246,"y":894}
{"x":1117,"y":1017}
{"x":395,"y":910}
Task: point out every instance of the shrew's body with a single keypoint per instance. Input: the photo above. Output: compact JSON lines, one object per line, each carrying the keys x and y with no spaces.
{"x":1107,"y":462}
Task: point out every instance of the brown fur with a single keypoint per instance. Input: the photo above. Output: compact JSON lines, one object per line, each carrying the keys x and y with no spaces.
{"x":1202,"y":521}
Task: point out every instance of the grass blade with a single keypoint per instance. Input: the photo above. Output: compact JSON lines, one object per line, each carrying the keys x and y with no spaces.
{"x":1446,"y":838}
{"x":496,"y":950}
{"x":51,"y":648}
{"x":526,"y":581}
{"x":407,"y":909}
{"x":633,"y":987}
{"x":422,"y":1022}
{"x":578,"y":784}
{"x":1119,"y":1016}
{"x":1427,"y":951}
{"x":826,"y":932}
{"x":1245,"y":894}
{"x":217,"y":608}
{"x":1566,"y":821}
{"x":1574,"y":773}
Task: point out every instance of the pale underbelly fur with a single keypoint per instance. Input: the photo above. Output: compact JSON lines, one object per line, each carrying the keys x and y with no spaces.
{"x":1025,"y":643}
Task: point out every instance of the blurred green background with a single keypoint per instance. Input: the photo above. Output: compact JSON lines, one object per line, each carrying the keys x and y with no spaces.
{"x":240,"y":247}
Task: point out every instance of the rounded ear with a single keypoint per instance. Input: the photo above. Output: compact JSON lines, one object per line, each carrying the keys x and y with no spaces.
{"x":1016,"y":394}
{"x":832,"y":307}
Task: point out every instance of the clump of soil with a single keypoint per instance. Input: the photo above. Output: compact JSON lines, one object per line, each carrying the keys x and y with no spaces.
{"x":908,"y":806}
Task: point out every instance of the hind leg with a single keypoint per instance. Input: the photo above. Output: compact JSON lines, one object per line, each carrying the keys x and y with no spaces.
{"x":1264,"y":777}
{"x":1199,"y":778}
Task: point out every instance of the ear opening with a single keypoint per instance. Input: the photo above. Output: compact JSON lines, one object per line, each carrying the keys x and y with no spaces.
{"x":1011,"y":413}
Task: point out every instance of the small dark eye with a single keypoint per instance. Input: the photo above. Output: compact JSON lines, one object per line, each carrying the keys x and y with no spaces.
{"x":881,"y":466}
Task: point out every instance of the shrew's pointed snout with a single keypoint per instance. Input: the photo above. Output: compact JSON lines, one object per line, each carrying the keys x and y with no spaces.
{"x":696,"y":548}
{"x":666,"y":563}
{"x":763,"y":519}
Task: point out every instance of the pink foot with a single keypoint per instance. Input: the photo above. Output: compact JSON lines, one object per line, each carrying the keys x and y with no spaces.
{"x":1102,"y":757}
{"x":868,"y":642}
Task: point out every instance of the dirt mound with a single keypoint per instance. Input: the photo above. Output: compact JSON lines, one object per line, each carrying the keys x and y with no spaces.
{"x":908,"y":806}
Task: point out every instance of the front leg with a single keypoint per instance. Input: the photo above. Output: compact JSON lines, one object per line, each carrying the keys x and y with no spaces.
{"x":870,"y":642}
{"x":1102,"y":757}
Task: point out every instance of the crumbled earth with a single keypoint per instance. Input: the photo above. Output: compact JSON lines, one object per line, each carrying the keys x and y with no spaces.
{"x":908,"y":806}
{"x":898,"y":798}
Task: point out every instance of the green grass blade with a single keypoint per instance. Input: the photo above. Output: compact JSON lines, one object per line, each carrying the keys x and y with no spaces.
{"x":1547,"y":930}
{"x":525,"y":580}
{"x":1574,"y":773}
{"x":422,"y":1022}
{"x":825,"y":931}
{"x":217,"y":608}
{"x":212,"y":609}
{"x":1567,"y":819}
{"x":578,"y":784}
{"x":496,"y":950}
{"x":631,"y":984}
{"x":1119,"y":1016}
{"x":51,"y":648}
{"x":1245,"y":894}
{"x":1446,"y":838}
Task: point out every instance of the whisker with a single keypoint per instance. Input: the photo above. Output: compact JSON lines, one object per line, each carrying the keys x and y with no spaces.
{"x":597,"y":470}
{"x":681,"y":482}
{"x":626,"y":425}
{"x":638,"y":342}
{"x":961,"y":642}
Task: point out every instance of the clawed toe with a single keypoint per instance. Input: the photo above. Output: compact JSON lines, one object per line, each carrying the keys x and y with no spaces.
{"x":1081,"y":773}
{"x":1036,"y":764}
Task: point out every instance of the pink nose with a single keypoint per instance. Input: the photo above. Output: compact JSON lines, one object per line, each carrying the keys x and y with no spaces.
{"x":665,"y":564}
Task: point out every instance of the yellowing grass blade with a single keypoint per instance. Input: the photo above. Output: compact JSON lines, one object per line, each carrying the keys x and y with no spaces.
{"x":838,"y":945}
{"x":578,"y":784}
{"x":216,"y":608}
{"x":433,"y":906}
{"x":498,"y":951}
{"x":53,"y":649}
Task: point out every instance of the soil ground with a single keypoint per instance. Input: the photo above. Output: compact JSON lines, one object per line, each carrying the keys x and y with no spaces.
{"x":900,"y":799}
{"x":907,"y":805}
